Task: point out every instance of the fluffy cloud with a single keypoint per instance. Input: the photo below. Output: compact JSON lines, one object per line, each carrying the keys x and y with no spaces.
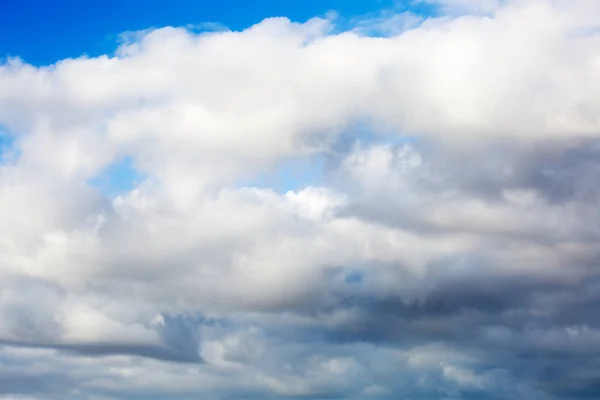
{"x":448,"y":249}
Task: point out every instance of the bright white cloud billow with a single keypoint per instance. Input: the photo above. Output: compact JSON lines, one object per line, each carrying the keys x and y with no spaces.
{"x":449,"y":252}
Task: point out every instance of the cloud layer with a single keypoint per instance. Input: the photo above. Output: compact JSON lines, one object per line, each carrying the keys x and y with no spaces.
{"x":446,"y":247}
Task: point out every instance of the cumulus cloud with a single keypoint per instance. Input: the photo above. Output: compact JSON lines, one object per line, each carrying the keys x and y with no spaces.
{"x":447,"y":250}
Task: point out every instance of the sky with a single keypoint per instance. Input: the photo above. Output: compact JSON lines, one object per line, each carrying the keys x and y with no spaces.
{"x":334,"y":200}
{"x":43,"y":32}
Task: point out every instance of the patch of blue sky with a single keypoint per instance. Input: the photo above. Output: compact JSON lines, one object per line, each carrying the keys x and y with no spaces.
{"x":386,"y":22}
{"x":354,"y":277}
{"x":290,"y":175}
{"x":366,"y":133}
{"x":8,"y":151}
{"x":118,"y":178}
{"x":72,"y":28}
{"x":6,"y":140}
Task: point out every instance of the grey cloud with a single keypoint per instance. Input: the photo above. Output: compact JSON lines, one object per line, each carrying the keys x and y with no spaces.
{"x":538,"y":322}
{"x":45,"y":384}
{"x":164,"y":353}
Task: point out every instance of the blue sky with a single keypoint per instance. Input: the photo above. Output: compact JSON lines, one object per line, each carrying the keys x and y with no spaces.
{"x":45,"y":31}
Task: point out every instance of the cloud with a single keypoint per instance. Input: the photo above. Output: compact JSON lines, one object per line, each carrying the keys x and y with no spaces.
{"x":446,"y":249}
